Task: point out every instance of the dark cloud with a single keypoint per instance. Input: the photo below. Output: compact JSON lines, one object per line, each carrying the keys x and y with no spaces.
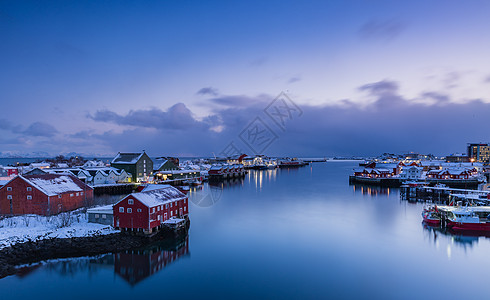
{"x":177,"y":117}
{"x":439,"y":98}
{"x":40,"y":129}
{"x":259,"y":61}
{"x":381,"y":30}
{"x":294,"y":79}
{"x":240,"y":100}
{"x":208,"y":91}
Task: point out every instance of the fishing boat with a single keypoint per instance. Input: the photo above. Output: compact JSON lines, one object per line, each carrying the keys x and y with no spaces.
{"x":470,"y":218}
{"x":432,"y":216}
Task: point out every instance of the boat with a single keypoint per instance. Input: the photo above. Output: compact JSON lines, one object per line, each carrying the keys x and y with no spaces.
{"x":293,"y":162}
{"x":432,"y":216}
{"x":469,"y":218}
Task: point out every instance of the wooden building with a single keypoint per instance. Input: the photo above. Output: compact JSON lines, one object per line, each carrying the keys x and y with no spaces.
{"x":139,"y":165}
{"x":44,"y":194}
{"x":147,"y":211}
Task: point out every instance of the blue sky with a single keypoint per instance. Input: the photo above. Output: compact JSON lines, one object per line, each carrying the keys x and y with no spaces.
{"x":187,"y":77}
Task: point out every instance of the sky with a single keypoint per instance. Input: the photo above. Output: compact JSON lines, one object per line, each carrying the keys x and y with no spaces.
{"x":203,"y":78}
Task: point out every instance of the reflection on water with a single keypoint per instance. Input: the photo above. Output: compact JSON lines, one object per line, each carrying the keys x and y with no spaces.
{"x":373,"y":190}
{"x":133,"y":265}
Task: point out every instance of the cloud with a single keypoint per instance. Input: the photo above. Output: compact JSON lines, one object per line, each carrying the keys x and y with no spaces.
{"x":381,"y":30}
{"x":40,"y":129}
{"x":177,"y":117}
{"x":260,"y":61}
{"x":208,"y":91}
{"x":240,"y":100}
{"x":294,"y":79}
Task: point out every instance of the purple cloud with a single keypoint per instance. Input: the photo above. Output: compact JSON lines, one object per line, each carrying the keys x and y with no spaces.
{"x":40,"y":129}
{"x":208,"y":91}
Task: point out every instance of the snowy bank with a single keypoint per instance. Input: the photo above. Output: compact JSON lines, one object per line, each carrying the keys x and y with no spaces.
{"x":20,"y":229}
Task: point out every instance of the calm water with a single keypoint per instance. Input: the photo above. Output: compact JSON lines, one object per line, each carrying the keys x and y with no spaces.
{"x":303,"y":233}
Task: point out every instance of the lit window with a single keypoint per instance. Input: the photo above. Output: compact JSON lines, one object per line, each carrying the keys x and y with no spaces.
{"x":121,"y":209}
{"x":29,"y":197}
{"x":29,"y":189}
{"x":130,"y":201}
{"x":130,"y":210}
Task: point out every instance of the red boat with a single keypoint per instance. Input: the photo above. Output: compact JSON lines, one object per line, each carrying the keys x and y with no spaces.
{"x":432,"y":216}
{"x":470,"y":219}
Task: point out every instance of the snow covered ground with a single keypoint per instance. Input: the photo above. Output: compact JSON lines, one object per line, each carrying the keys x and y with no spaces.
{"x":20,"y":229}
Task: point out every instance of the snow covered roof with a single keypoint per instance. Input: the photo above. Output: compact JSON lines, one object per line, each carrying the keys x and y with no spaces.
{"x":106,"y":209}
{"x":55,"y":184}
{"x":156,"y":197}
{"x":152,"y":187}
{"x":158,"y":164}
{"x":127,"y":158}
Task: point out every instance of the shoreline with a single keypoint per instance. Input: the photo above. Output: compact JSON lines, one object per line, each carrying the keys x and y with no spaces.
{"x":33,"y":252}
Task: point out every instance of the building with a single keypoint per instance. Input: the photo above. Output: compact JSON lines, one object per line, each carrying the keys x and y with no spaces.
{"x":101,"y":215}
{"x":44,"y":194}
{"x":164,"y":164}
{"x":411,"y":172}
{"x":139,"y":165}
{"x":147,"y":211}
{"x":479,"y":153}
{"x":457,"y":157}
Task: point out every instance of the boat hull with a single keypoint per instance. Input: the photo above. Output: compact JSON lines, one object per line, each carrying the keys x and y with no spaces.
{"x":457,"y":226}
{"x":432,"y":222}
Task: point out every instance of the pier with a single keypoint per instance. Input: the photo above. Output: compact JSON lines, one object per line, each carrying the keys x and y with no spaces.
{"x":444,"y":195}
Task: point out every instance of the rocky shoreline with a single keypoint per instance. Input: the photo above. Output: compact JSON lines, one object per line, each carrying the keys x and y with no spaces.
{"x":32,"y":252}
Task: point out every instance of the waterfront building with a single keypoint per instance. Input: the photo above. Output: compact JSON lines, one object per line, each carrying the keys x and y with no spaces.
{"x":164,"y":164}
{"x":101,"y":215}
{"x":147,"y":211}
{"x":457,"y":157}
{"x":411,"y":173}
{"x":139,"y":165}
{"x":44,"y":194}
{"x":479,"y":153}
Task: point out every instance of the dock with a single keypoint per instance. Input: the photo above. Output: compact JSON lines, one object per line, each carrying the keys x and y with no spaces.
{"x":444,"y":195}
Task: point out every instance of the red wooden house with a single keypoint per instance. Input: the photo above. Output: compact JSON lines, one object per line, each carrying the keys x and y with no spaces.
{"x":44,"y":194}
{"x":146,"y":211}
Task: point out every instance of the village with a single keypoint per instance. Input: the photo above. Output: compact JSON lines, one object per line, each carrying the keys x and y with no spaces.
{"x":56,"y":197}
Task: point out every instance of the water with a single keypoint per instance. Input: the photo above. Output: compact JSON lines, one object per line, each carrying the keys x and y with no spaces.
{"x":288,"y":234}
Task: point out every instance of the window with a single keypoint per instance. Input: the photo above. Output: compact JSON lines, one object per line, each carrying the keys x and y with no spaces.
{"x":185,"y":200}
{"x":9,"y":188}
{"x":130,"y":210}
{"x":81,"y":193}
{"x":96,"y":216}
{"x":158,"y":208}
{"x":166,"y":205}
{"x":139,"y":209}
{"x":78,"y":194}
{"x":29,"y":197}
{"x":171,"y":213}
{"x":185,"y":208}
{"x":59,"y":196}
{"x":130,"y":201}
{"x":171,"y":204}
{"x":153,"y":209}
{"x":29,"y":189}
{"x":104,"y":216}
{"x":9,"y":196}
{"x":121,"y":209}
{"x":71,"y":195}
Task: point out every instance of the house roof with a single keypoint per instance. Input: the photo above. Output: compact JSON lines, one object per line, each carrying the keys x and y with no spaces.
{"x":156,"y":197}
{"x":127,"y":158}
{"x":158,"y":164}
{"x":55,"y":184}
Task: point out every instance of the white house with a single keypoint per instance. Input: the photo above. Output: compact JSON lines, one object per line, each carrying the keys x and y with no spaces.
{"x":411,"y":172}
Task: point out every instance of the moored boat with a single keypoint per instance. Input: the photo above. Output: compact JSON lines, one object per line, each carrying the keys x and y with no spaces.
{"x":432,"y":216}
{"x":475,"y":218}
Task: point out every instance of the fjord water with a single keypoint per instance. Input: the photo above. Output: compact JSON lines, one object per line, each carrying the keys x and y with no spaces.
{"x":281,"y":234}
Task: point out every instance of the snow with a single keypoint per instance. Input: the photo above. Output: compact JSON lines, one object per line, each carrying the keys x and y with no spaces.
{"x":54,"y":186}
{"x":174,"y":221}
{"x":164,"y":195}
{"x":19,"y":229}
{"x":106,"y":209}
